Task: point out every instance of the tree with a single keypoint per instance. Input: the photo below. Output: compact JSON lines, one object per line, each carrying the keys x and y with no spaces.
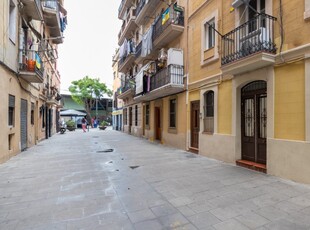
{"x":87,"y":91}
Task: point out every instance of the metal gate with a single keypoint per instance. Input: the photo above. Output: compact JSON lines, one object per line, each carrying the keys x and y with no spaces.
{"x":23,"y":124}
{"x":254,"y":122}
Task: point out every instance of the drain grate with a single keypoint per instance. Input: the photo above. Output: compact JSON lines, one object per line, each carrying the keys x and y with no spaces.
{"x":105,"y":151}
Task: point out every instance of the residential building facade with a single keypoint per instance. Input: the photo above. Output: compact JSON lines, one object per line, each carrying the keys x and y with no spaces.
{"x":117,"y":114}
{"x":151,"y":62}
{"x":30,"y":82}
{"x":244,"y":96}
{"x":249,"y":81}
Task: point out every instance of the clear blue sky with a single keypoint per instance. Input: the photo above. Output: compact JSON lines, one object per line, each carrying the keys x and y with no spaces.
{"x":90,"y":41}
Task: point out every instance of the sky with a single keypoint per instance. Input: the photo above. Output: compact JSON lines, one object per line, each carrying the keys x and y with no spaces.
{"x":90,"y":41}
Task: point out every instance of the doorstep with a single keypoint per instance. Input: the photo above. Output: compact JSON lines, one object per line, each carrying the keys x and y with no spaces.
{"x":252,"y":165}
{"x":193,"y":150}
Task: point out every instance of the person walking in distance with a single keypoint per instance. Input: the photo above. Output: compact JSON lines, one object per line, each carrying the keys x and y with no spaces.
{"x":84,"y":123}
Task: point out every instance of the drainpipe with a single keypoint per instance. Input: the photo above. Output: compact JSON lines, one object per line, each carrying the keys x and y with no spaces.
{"x":187,"y":78}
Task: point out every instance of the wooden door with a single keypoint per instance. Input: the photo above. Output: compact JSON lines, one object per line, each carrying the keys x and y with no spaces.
{"x":254,"y":122}
{"x":157,"y":124}
{"x":130,"y":120}
{"x":195,"y":111}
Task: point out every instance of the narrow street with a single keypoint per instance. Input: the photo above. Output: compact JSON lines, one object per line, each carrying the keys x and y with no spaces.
{"x":112,"y":181}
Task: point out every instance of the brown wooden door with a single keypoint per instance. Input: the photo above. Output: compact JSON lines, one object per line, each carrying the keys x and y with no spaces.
{"x":195,"y":111}
{"x":157,"y":124}
{"x":130,"y":120}
{"x":254,"y":122}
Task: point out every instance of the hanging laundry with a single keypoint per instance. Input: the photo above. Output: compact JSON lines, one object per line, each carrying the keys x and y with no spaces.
{"x":123,"y":49}
{"x":147,"y":43}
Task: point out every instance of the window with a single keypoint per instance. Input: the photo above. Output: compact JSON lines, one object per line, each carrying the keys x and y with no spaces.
{"x":12,"y":22}
{"x":209,"y":112}
{"x":209,"y":34}
{"x":172,"y":113}
{"x":136,"y":115}
{"x":11,"y":111}
{"x":32,"y":113}
{"x":147,"y":114}
{"x":256,"y":6}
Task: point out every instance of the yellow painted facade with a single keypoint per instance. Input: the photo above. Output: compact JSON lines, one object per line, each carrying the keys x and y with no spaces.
{"x":277,"y":75}
{"x":290,"y":102}
{"x":225,"y":108}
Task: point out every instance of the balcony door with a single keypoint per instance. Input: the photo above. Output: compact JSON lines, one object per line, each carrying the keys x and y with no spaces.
{"x":254,"y":122}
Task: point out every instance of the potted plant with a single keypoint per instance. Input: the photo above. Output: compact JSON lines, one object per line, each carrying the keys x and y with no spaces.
{"x":70,"y":125}
{"x":103,"y":125}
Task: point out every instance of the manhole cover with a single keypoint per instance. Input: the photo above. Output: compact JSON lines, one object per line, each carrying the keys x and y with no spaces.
{"x":105,"y":151}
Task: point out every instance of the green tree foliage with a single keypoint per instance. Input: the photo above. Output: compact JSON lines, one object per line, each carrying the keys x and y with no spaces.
{"x":85,"y":92}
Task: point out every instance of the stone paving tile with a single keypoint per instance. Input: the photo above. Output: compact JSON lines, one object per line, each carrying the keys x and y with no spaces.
{"x":164,"y":210}
{"x":141,"y":215}
{"x":284,"y":224}
{"x":230,"y":224}
{"x":57,"y":185}
{"x":252,"y":220}
{"x":149,"y":225}
{"x":271,"y":213}
{"x":203,"y":219}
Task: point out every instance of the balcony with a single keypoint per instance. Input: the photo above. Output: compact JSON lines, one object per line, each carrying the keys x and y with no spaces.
{"x":127,"y":90}
{"x":31,"y":69}
{"x":168,"y":28}
{"x":122,"y":8}
{"x":53,"y":20}
{"x":126,"y":56}
{"x":167,"y":81}
{"x":128,"y":26}
{"x":249,"y":46}
{"x":32,"y":9}
{"x":145,"y":10}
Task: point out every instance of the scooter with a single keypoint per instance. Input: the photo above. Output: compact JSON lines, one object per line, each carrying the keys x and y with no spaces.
{"x":62,"y":127}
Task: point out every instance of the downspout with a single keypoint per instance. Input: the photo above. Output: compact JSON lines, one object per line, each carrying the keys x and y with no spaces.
{"x":187,"y":79}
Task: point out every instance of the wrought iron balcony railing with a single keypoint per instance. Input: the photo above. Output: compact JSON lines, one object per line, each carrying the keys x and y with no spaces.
{"x":174,"y":15}
{"x":140,"y":7}
{"x":138,"y":49}
{"x":128,"y":84}
{"x":173,"y":74}
{"x":33,"y":64}
{"x":254,"y":36}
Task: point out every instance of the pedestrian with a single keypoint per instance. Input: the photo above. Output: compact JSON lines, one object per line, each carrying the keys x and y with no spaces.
{"x":92,"y":122}
{"x":84,"y":123}
{"x":95,"y":122}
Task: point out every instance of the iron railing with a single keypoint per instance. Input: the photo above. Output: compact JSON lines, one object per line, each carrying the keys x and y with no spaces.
{"x":33,"y":64}
{"x":51,"y":4}
{"x":127,"y":85}
{"x":138,"y":49}
{"x":140,"y":7}
{"x":256,"y":35}
{"x":173,"y":74}
{"x":174,"y":16}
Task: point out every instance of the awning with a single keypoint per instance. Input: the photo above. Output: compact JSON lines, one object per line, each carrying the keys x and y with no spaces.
{"x":71,"y":112}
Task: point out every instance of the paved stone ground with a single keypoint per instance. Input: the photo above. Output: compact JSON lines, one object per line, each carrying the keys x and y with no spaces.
{"x":69,"y":182}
